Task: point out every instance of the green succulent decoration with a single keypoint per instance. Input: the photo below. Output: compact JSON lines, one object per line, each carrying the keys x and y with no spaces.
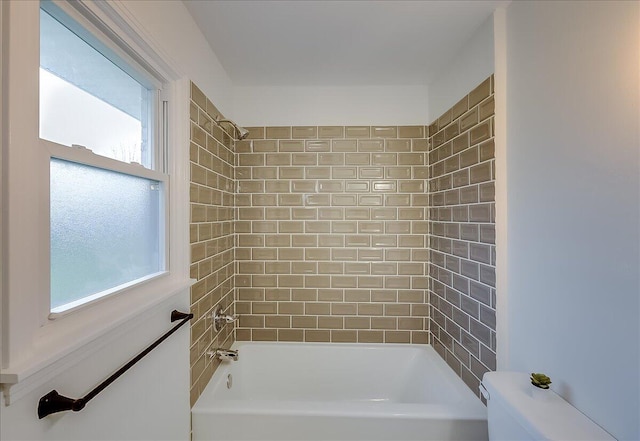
{"x":540,"y":380}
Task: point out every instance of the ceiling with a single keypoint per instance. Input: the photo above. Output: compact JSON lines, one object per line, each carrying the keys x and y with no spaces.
{"x":337,"y":43}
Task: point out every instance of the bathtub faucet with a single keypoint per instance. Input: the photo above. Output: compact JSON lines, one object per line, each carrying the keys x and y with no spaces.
{"x":224,"y":354}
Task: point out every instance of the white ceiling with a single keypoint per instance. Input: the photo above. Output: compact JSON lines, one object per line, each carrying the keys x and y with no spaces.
{"x":337,"y":43}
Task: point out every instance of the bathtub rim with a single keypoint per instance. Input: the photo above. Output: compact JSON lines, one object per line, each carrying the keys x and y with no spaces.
{"x":470,"y":408}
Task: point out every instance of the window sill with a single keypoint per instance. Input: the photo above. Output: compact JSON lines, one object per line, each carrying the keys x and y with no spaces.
{"x":17,"y":381}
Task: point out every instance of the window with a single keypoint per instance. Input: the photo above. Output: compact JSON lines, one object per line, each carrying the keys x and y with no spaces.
{"x":88,"y":245}
{"x":106,"y":215}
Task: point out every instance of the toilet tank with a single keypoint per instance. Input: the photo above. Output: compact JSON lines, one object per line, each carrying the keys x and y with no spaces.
{"x":518,"y":410}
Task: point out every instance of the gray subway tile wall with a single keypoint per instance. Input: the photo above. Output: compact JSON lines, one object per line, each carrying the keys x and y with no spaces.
{"x":462,"y":235}
{"x":371,"y":234}
{"x":212,"y":189}
{"x":331,"y":231}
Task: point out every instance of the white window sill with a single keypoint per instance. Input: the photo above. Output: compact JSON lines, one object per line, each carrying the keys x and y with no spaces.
{"x":18,"y":380}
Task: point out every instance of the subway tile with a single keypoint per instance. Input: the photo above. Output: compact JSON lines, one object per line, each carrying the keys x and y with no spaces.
{"x":371,"y":145}
{"x":356,"y":132}
{"x":469,"y":119}
{"x":480,"y":331}
{"x":357,"y":322}
{"x":460,"y":108}
{"x":357,"y":159}
{"x":356,"y":186}
{"x":398,"y":145}
{"x":327,"y":213}
{"x":326,"y":322}
{"x":295,"y":335}
{"x":370,"y":282}
{"x":397,"y":172}
{"x":451,"y":131}
{"x":444,"y":119}
{"x":303,"y":268}
{"x":370,"y":200}
{"x":480,"y":93}
{"x":303,"y":321}
{"x":384,"y":132}
{"x":384,"y":159}
{"x":480,"y":253}
{"x":486,"y":108}
{"x":304,"y":132}
{"x":312,"y":308}
{"x":487,"y":233}
{"x":278,"y":132}
{"x":290,"y":146}
{"x":370,"y":172}
{"x":317,"y":172}
{"x":317,"y":146}
{"x":344,"y":336}
{"x":420,"y":145}
{"x":368,"y":336}
{"x":469,"y":195}
{"x":480,"y":133}
{"x":344,"y":145}
{"x":480,"y":213}
{"x":480,"y":173}
{"x":487,"y":150}
{"x":311,"y":335}
{"x":330,"y":132}
{"x":341,"y":282}
{"x":411,"y":132}
{"x":260,"y":146}
{"x":303,"y":159}
{"x":311,"y":200}
{"x":353,"y":213}
{"x":486,"y":192}
{"x":330,"y":295}
{"x":460,"y":143}
{"x":344,"y":172}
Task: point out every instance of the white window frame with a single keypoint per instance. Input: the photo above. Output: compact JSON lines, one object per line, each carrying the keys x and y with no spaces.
{"x":35,"y":345}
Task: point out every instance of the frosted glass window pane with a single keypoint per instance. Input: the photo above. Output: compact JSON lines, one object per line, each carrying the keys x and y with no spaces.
{"x":105,"y":230}
{"x":88,"y":100}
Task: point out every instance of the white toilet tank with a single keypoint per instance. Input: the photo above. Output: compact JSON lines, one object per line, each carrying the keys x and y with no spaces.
{"x":518,"y":410}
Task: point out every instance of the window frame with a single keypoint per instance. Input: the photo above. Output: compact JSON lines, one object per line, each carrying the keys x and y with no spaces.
{"x":33,"y":346}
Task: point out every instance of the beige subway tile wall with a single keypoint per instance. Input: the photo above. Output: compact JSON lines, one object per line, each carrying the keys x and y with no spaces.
{"x":462,"y":235}
{"x":212,"y":188}
{"x":332,"y":234}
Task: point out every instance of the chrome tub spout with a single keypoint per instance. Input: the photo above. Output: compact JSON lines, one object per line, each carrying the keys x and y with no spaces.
{"x":224,"y":354}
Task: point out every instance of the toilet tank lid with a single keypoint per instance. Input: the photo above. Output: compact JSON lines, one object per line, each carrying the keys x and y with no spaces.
{"x":543,"y":413}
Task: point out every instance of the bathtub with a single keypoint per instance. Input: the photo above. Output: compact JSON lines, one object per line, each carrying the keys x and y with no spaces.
{"x":319,"y":391}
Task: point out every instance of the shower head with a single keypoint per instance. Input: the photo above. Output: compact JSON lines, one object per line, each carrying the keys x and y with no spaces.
{"x":241,"y":132}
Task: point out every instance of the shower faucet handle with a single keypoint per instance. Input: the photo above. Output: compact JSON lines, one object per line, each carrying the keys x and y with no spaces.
{"x":220,"y":319}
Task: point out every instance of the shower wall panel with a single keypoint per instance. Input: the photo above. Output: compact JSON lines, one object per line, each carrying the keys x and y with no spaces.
{"x":332,"y":234}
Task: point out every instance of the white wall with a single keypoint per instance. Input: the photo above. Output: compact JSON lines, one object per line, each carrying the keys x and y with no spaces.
{"x":149,"y":402}
{"x":573,"y":203}
{"x":175,"y":35}
{"x":471,"y":66}
{"x":357,"y":105}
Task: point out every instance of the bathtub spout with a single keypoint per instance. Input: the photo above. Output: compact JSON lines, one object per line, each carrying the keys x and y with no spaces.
{"x":224,"y":354}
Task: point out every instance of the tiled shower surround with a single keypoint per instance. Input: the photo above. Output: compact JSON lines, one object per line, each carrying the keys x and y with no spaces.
{"x":462,"y":227}
{"x":347,"y":234}
{"x":332,"y":234}
{"x":211,"y":234}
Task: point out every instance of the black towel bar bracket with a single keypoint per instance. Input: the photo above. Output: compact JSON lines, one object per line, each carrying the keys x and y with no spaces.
{"x":53,"y":402}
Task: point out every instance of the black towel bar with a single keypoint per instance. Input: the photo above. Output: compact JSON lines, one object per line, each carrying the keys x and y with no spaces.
{"x":54,"y":402}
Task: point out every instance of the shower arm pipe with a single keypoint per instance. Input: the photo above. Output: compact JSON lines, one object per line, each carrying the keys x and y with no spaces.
{"x":240,"y":132}
{"x":53,"y":402}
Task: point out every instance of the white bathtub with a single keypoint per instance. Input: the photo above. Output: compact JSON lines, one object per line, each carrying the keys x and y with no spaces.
{"x":319,"y":391}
